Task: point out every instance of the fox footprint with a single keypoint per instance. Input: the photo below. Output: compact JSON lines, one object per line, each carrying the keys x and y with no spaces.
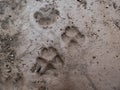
{"x":46,"y":15}
{"x":72,"y":36}
{"x":49,"y":59}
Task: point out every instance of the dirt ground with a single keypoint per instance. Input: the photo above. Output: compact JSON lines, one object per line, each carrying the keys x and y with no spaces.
{"x":59,"y":44}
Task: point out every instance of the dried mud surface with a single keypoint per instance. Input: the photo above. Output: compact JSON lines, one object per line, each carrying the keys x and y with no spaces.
{"x":59,"y":44}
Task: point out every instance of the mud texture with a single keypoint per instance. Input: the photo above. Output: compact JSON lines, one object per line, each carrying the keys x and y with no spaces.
{"x":59,"y":44}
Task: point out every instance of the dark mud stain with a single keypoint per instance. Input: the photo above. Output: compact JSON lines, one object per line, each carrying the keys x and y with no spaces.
{"x":94,"y":57}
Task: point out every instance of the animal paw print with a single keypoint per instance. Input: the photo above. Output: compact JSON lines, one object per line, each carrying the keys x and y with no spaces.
{"x":72,"y":36}
{"x":46,"y":15}
{"x":49,"y":59}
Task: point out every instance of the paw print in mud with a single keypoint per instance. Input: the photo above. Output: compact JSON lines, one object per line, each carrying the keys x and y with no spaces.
{"x":46,"y":15}
{"x":72,"y":36}
{"x":49,"y":59}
